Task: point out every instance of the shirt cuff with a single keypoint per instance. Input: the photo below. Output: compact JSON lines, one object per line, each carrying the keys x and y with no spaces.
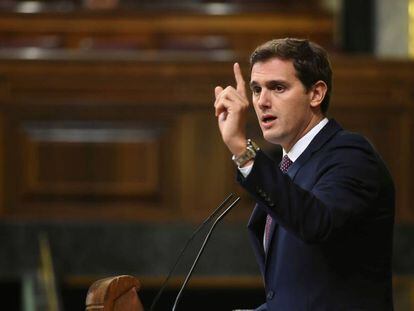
{"x":245,"y":171}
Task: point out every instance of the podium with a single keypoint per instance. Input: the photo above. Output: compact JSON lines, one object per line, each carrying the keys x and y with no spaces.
{"x":117,"y":293}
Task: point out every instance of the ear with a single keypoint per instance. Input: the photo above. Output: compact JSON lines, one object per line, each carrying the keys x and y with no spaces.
{"x":317,"y":93}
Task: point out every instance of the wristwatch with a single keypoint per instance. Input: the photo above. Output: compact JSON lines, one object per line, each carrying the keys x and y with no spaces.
{"x":247,"y":155}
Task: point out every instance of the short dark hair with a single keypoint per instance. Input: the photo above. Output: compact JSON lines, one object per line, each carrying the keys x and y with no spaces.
{"x":309,"y":60}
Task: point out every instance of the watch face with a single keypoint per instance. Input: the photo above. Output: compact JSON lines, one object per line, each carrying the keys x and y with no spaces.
{"x":249,"y":154}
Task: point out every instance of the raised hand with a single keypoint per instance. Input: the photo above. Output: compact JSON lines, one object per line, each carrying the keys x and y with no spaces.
{"x":231,"y":108}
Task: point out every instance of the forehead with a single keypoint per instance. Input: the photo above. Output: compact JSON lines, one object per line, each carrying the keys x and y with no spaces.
{"x":273,"y":69}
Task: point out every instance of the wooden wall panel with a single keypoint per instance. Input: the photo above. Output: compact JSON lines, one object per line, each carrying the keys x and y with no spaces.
{"x":187,"y":169}
{"x":87,"y":163}
{"x":90,"y":161}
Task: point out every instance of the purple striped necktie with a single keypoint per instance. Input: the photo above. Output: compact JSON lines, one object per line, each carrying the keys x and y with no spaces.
{"x":284,"y":166}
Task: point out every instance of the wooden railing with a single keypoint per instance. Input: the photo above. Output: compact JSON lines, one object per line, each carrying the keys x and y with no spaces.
{"x":208,"y":26}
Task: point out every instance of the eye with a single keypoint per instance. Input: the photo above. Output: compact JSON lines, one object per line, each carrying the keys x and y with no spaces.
{"x":279,"y":88}
{"x":256,"y":90}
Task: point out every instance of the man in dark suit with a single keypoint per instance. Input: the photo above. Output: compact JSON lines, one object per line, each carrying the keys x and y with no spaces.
{"x":323,"y":223}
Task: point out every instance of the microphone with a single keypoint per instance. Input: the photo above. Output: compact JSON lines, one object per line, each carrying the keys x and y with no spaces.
{"x":212,"y":215}
{"x":177,"y":299}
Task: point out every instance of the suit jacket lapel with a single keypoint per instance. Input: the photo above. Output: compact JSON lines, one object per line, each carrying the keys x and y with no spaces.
{"x":330,"y":129}
{"x":256,"y":228}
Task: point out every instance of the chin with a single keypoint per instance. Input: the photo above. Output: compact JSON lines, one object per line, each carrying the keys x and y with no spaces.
{"x":273,"y":138}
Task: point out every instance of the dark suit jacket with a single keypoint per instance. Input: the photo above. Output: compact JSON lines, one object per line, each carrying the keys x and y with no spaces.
{"x":333,"y":222}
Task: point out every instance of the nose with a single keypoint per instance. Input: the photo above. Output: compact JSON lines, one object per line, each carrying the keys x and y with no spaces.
{"x":263,"y":102}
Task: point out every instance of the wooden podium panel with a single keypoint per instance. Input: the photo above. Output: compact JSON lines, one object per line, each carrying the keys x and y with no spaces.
{"x":114,"y":294}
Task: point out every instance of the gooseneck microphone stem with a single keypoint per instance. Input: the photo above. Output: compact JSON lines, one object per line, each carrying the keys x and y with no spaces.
{"x":216,"y":211}
{"x":177,"y":299}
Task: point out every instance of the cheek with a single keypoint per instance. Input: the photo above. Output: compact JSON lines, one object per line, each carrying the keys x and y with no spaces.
{"x":297,"y":108}
{"x":254,"y":104}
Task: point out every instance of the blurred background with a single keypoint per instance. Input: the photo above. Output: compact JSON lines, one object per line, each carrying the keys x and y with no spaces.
{"x":109,"y":151}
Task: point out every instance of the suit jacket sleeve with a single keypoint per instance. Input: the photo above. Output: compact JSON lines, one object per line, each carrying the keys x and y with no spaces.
{"x":345,"y":180}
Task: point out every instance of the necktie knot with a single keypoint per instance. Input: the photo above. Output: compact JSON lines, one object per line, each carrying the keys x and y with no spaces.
{"x":286,"y":162}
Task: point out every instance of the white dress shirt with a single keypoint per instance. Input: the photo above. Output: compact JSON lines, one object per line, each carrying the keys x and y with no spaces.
{"x":297,"y":148}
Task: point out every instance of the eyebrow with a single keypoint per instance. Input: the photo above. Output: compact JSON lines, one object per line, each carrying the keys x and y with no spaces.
{"x":269,"y":84}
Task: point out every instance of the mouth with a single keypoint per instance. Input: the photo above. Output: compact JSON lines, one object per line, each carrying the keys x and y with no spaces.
{"x":267,"y":119}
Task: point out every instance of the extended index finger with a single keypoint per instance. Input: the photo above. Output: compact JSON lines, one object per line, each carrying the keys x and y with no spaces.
{"x":241,"y":85}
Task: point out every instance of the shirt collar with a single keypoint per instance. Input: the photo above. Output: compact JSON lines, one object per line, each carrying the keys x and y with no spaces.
{"x":304,"y":142}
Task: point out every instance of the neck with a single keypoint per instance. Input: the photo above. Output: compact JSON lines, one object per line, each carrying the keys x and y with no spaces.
{"x":316,"y":118}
